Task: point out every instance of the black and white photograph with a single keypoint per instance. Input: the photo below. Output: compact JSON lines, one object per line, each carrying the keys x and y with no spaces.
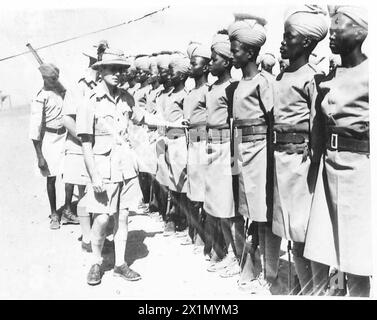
{"x":186,"y":150}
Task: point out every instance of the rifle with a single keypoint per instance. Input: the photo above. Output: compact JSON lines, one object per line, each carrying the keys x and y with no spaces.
{"x":59,"y":87}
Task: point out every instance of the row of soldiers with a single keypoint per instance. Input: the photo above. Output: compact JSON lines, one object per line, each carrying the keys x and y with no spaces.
{"x":266,"y":157}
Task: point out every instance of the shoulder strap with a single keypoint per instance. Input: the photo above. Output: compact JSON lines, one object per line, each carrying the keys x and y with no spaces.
{"x":229,"y":91}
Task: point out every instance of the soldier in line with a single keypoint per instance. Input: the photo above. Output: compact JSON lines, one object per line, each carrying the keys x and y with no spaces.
{"x":252,"y":105}
{"x":176,"y":154}
{"x":339,"y":232}
{"x":194,"y":109}
{"x":142,"y":64}
{"x":152,"y":132}
{"x":221,"y":211}
{"x":162,"y":172}
{"x":48,"y":133}
{"x":295,"y":174}
{"x":74,"y":167}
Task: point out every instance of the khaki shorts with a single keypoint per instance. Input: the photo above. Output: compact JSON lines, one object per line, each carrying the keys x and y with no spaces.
{"x":74,"y":171}
{"x":130,"y":194}
{"x":105,"y":202}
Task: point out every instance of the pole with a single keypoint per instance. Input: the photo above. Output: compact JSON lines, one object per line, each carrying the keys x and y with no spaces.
{"x":59,"y":87}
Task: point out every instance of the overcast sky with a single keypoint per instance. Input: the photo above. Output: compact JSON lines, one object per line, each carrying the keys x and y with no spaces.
{"x":41,"y":23}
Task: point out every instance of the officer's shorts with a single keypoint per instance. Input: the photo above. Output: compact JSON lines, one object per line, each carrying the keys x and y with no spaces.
{"x":74,"y":171}
{"x":130,"y":195}
{"x":105,"y":202}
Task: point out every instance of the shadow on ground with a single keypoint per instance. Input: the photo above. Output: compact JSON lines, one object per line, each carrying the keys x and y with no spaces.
{"x":136,"y":248}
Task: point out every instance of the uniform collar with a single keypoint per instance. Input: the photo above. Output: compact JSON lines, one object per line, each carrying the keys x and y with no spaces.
{"x":89,"y":76}
{"x":103,"y":92}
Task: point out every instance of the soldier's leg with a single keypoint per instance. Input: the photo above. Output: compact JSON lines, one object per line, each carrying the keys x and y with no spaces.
{"x":232,"y":229}
{"x":210,"y":234}
{"x":98,"y":235}
{"x":153,"y":204}
{"x":272,"y":245}
{"x":143,"y":180}
{"x":120,"y":235}
{"x":67,"y":215}
{"x":84,"y":216}
{"x":358,"y":286}
{"x":320,"y":274}
{"x":183,"y":214}
{"x":68,"y":195}
{"x":51,"y":193}
{"x":303,"y":268}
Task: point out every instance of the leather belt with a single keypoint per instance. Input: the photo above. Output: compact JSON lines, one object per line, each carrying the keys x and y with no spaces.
{"x":197,"y":125}
{"x":253,"y":137}
{"x":341,"y":143}
{"x":218,"y":126}
{"x":252,"y":130}
{"x":239,"y":123}
{"x":218,"y":135}
{"x":175,"y":133}
{"x":290,"y":137}
{"x":57,"y":131}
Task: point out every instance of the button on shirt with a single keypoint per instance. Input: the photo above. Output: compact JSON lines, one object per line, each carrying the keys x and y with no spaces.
{"x":46,"y":111}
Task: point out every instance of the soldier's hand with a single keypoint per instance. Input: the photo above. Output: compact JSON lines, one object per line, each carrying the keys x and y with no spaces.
{"x":42,"y":164}
{"x":97,"y":184}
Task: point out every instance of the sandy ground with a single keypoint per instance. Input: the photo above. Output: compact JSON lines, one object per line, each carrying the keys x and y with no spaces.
{"x":39,"y":263}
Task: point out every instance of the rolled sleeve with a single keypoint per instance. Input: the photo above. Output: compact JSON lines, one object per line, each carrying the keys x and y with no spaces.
{"x":85,"y":118}
{"x":137,"y":115}
{"x":36,"y":119}
{"x":71,"y":102}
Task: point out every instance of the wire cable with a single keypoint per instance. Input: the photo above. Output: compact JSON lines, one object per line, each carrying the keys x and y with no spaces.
{"x":87,"y":34}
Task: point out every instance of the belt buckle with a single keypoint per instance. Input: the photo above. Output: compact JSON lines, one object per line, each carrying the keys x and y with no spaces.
{"x":274,"y":137}
{"x":334,"y":141}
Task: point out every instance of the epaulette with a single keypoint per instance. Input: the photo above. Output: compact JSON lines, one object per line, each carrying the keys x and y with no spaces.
{"x":313,"y":67}
{"x":92,"y":95}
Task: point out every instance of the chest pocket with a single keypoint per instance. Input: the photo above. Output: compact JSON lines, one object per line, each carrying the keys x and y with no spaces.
{"x":104,"y":122}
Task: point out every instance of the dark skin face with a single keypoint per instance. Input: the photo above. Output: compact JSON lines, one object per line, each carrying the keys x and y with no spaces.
{"x":199,"y":66}
{"x":163,"y":76}
{"x":50,"y":82}
{"x":176,"y":77}
{"x":141,"y":76}
{"x":218,"y":64}
{"x":345,"y":34}
{"x":294,"y":45}
{"x":242,"y":53}
{"x":130,"y":74}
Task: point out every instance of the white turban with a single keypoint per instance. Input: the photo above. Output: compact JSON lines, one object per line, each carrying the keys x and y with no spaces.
{"x":196,"y":49}
{"x":357,"y":14}
{"x":268,"y":60}
{"x":248,"y":29}
{"x":163,"y":60}
{"x":49,"y":70}
{"x":131,"y":61}
{"x":142,"y":63}
{"x":181,"y":64}
{"x":153,"y":64}
{"x":309,"y":21}
{"x":221,"y":45}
